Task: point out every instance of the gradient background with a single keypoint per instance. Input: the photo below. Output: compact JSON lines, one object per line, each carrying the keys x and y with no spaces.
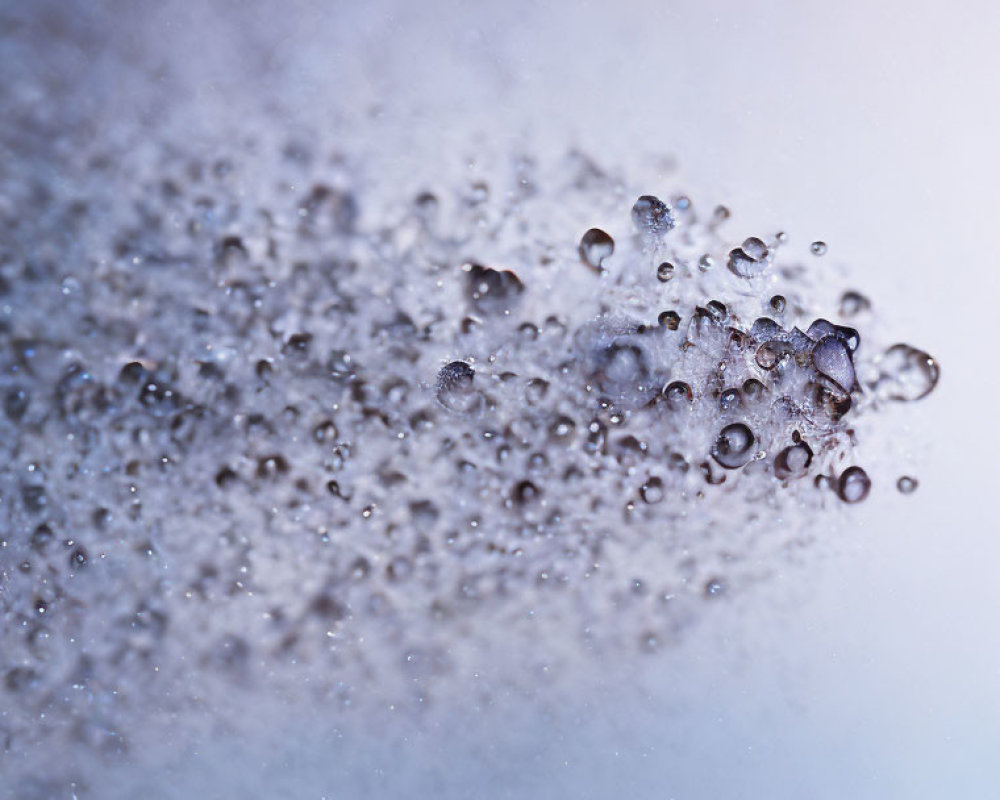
{"x":872,"y":672}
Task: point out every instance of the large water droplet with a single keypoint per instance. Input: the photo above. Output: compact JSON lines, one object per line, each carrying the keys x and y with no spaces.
{"x":831,"y":358}
{"x":906,"y":374}
{"x":734,"y":447}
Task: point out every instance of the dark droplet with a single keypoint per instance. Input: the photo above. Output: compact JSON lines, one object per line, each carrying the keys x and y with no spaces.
{"x":854,"y":485}
{"x":734,"y":447}
{"x":595,"y":246}
{"x":907,"y":485}
{"x":793,"y":461}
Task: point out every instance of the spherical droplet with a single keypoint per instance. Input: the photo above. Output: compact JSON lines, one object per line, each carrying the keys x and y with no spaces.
{"x":778,"y":304}
{"x":907,"y":485}
{"x":734,"y":447}
{"x":854,"y":485}
{"x":665,"y":272}
{"x":652,"y":217}
{"x":651,"y":491}
{"x":455,"y":390}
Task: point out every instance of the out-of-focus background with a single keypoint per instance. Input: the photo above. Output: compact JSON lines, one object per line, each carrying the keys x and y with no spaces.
{"x":873,"y":672}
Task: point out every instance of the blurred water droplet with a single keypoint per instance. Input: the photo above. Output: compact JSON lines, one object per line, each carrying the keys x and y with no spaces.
{"x":853,"y":485}
{"x":906,"y":374}
{"x":595,"y":246}
{"x":818,"y":248}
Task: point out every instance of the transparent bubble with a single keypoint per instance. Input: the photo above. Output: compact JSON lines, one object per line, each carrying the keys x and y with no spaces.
{"x":906,"y":374}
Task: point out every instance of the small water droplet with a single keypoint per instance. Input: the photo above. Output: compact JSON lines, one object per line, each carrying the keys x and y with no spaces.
{"x":854,"y":485}
{"x":818,"y":248}
{"x":793,"y":461}
{"x":651,"y":491}
{"x":907,"y":485}
{"x":670,"y":320}
{"x":455,"y":389}
{"x":665,"y":272}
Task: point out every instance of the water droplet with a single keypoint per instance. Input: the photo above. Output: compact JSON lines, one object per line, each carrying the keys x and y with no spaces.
{"x":770,"y":354}
{"x":906,"y":374}
{"x":854,"y":485}
{"x":491,"y":291}
{"x":535,"y":391}
{"x":677,"y":396}
{"x":907,"y":485}
{"x":715,"y":587}
{"x":595,"y":246}
{"x":730,"y":399}
{"x":455,"y":389}
{"x":734,"y":446}
{"x":651,"y":491}
{"x":325,"y":432}
{"x":754,"y":390}
{"x":525,"y":492}
{"x":818,"y":248}
{"x":793,"y":461}
{"x":562,"y":429}
{"x":705,"y":263}
{"x":778,"y":304}
{"x":670,"y":320}
{"x":750,"y":260}
{"x":853,"y":303}
{"x":665,"y":272}
{"x":652,"y":217}
{"x":15,"y":403}
{"x":831,"y":358}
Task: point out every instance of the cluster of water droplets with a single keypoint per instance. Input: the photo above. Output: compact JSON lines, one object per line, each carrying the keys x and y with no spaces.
{"x":264,"y":424}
